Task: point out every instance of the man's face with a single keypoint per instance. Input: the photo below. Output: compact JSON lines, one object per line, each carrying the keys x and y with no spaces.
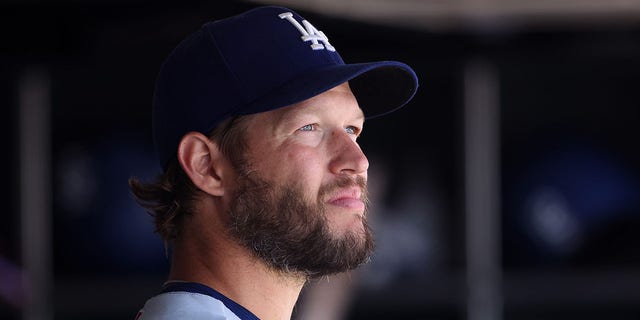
{"x":300,"y":197}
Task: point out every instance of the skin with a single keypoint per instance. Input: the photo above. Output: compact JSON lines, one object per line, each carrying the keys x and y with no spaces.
{"x":316,"y":139}
{"x":312,"y":143}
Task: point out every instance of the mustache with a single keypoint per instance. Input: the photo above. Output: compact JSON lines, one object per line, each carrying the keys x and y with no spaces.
{"x":346,"y":182}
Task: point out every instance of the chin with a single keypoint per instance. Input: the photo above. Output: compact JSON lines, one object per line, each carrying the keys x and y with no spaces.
{"x":344,"y":223}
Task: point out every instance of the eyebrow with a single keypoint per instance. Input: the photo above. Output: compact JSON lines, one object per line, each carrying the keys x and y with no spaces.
{"x":285,"y":117}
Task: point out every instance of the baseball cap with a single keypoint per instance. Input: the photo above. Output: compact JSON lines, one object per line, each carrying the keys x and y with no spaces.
{"x":266,"y":58}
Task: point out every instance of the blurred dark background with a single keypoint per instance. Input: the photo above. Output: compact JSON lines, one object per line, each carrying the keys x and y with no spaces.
{"x":508,"y":189}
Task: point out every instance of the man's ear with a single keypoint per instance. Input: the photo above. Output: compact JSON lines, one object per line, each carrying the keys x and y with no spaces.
{"x":203,"y":162}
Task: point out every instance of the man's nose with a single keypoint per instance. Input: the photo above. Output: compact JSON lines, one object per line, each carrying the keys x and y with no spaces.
{"x":347,"y":157}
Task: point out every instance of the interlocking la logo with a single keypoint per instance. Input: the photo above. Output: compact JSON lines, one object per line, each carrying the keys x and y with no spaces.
{"x":309,"y":33}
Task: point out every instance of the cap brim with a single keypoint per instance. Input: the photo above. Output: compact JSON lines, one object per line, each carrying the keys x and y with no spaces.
{"x":380,"y":87}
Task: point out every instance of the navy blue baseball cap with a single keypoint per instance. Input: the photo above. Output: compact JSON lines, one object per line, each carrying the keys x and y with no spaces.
{"x":266,"y":58}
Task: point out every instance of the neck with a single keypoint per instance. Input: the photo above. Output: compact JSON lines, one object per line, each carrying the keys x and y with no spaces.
{"x":233,"y":271}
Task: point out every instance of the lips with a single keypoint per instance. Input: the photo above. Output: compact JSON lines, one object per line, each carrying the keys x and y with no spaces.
{"x":348,"y":198}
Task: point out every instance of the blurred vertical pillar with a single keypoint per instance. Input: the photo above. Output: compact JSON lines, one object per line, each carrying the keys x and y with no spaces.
{"x":482,"y":192}
{"x":35,"y":193}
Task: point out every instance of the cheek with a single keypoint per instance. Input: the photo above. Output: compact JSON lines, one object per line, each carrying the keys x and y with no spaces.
{"x":305,"y":166}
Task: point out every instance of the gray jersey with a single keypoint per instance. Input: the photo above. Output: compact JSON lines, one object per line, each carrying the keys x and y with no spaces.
{"x":194,"y":301}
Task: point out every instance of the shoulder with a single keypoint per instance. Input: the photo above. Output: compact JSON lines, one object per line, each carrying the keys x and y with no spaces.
{"x":185,"y":305}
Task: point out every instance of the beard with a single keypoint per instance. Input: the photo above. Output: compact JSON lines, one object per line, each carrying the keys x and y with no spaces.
{"x":292,"y":234}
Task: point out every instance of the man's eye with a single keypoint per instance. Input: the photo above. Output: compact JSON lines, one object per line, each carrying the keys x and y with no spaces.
{"x":309,"y":127}
{"x":352,"y":130}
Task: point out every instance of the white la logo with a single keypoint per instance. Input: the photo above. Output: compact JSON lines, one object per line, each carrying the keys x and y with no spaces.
{"x":309,"y":33}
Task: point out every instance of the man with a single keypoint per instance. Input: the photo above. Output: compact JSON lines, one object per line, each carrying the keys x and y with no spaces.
{"x":256,"y":120}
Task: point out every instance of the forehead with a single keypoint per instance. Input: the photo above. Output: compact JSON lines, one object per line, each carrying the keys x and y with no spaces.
{"x":338,"y":102}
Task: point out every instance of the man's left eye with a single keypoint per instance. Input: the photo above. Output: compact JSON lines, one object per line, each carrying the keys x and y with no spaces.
{"x":352,"y":130}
